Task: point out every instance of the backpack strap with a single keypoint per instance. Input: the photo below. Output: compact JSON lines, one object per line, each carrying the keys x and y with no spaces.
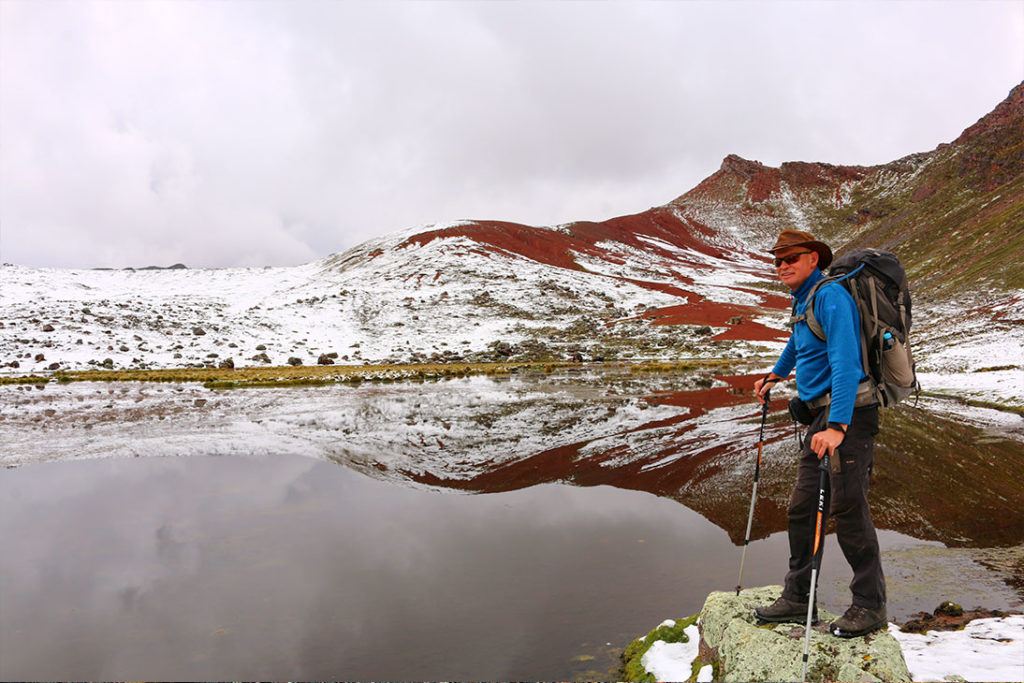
{"x":808,"y":315}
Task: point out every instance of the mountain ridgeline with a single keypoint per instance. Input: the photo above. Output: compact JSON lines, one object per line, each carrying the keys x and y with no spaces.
{"x":954,"y":216}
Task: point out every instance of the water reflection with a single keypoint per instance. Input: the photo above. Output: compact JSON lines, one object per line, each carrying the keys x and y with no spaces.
{"x":691,"y":439}
{"x":283,"y":567}
{"x":292,"y":567}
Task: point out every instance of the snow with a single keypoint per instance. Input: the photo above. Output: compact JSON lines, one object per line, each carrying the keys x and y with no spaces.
{"x":986,"y":650}
{"x":379,"y":302}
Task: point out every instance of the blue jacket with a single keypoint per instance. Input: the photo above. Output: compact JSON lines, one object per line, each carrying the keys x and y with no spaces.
{"x":826,"y":366}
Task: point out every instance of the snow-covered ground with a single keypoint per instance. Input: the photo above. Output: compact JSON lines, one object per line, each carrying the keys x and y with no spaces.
{"x":986,"y":650}
{"x":973,"y":348}
{"x":386,"y":300}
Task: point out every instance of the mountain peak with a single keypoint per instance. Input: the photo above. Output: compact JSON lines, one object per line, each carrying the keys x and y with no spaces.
{"x":1008,"y":112}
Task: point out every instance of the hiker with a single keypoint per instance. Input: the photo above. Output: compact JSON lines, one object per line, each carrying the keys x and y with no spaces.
{"x":829,"y":375}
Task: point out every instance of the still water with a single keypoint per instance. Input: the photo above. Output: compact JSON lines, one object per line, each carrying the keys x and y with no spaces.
{"x":531,"y":562}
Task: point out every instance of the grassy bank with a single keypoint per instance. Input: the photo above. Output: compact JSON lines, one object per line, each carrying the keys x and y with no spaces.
{"x":974,"y":403}
{"x":282,"y":376}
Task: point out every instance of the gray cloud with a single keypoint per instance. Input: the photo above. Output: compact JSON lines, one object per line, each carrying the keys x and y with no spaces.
{"x":274,"y":133}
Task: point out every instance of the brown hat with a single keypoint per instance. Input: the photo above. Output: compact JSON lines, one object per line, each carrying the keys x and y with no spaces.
{"x":799,"y":238}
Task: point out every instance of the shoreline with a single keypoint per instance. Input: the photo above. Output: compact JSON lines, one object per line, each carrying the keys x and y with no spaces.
{"x":973,"y":395}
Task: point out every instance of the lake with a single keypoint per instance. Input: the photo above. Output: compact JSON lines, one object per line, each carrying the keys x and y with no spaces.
{"x":478,"y":528}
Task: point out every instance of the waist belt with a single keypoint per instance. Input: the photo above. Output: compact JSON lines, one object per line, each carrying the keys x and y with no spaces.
{"x":866,"y":396}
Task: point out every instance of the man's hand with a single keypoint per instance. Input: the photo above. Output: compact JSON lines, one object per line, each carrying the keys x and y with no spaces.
{"x":827,"y":441}
{"x":764,"y":385}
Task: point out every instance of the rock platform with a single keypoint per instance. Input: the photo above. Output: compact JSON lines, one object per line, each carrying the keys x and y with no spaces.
{"x":741,"y":649}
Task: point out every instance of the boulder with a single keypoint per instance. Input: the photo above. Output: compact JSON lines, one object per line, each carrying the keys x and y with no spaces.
{"x":325,"y":359}
{"x":744,"y":650}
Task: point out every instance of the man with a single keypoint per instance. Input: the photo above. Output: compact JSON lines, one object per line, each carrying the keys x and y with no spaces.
{"x":828,"y":374}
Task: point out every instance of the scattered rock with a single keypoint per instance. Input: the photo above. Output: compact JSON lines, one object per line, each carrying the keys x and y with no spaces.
{"x":199,"y":402}
{"x":227,"y":364}
{"x":261,"y":357}
{"x":40,"y":358}
{"x":261,"y":347}
{"x":53,"y":366}
{"x":48,"y":328}
{"x":948,"y":616}
{"x":324,"y":359}
{"x":198,"y":331}
{"x":294,"y":361}
{"x":108,"y":363}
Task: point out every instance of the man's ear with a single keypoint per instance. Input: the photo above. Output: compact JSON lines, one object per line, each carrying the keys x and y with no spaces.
{"x":815,"y":257}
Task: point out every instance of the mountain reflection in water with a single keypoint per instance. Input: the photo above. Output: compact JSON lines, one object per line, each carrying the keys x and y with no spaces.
{"x":687,"y":438}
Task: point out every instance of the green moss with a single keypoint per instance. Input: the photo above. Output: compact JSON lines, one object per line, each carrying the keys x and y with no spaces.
{"x":633,"y":669}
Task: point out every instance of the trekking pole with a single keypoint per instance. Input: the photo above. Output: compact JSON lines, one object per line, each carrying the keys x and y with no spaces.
{"x":753,"y":494}
{"x":819,"y":540}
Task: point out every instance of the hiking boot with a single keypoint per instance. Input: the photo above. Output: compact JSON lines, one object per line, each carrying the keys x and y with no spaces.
{"x":783,"y":610}
{"x":858,"y":621}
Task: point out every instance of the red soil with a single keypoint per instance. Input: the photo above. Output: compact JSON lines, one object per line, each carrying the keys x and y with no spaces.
{"x":559,"y":248}
{"x":718,"y":315}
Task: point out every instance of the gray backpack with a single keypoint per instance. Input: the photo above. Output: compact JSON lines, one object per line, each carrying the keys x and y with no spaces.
{"x":878,"y":284}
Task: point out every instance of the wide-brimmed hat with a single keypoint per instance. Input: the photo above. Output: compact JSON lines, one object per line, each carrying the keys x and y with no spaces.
{"x":799,"y":238}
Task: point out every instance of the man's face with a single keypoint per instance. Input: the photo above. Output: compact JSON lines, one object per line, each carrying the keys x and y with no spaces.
{"x":794,"y":274}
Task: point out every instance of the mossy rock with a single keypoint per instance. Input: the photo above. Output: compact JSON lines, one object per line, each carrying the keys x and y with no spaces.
{"x":745,"y":650}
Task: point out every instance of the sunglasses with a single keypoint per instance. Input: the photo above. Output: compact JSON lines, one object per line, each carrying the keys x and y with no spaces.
{"x":790,"y":258}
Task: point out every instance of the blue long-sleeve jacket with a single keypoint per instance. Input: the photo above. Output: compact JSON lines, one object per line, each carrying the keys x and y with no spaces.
{"x":834,"y":365}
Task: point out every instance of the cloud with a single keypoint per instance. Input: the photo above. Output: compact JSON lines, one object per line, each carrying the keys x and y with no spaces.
{"x":273,"y":133}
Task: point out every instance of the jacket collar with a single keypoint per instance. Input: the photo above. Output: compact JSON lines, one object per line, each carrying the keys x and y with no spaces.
{"x":801,"y":293}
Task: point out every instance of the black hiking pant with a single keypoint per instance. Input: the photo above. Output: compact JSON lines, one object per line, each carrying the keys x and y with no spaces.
{"x":846,"y":500}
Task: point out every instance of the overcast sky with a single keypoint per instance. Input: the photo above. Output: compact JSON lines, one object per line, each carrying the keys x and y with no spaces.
{"x":275,"y":133}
